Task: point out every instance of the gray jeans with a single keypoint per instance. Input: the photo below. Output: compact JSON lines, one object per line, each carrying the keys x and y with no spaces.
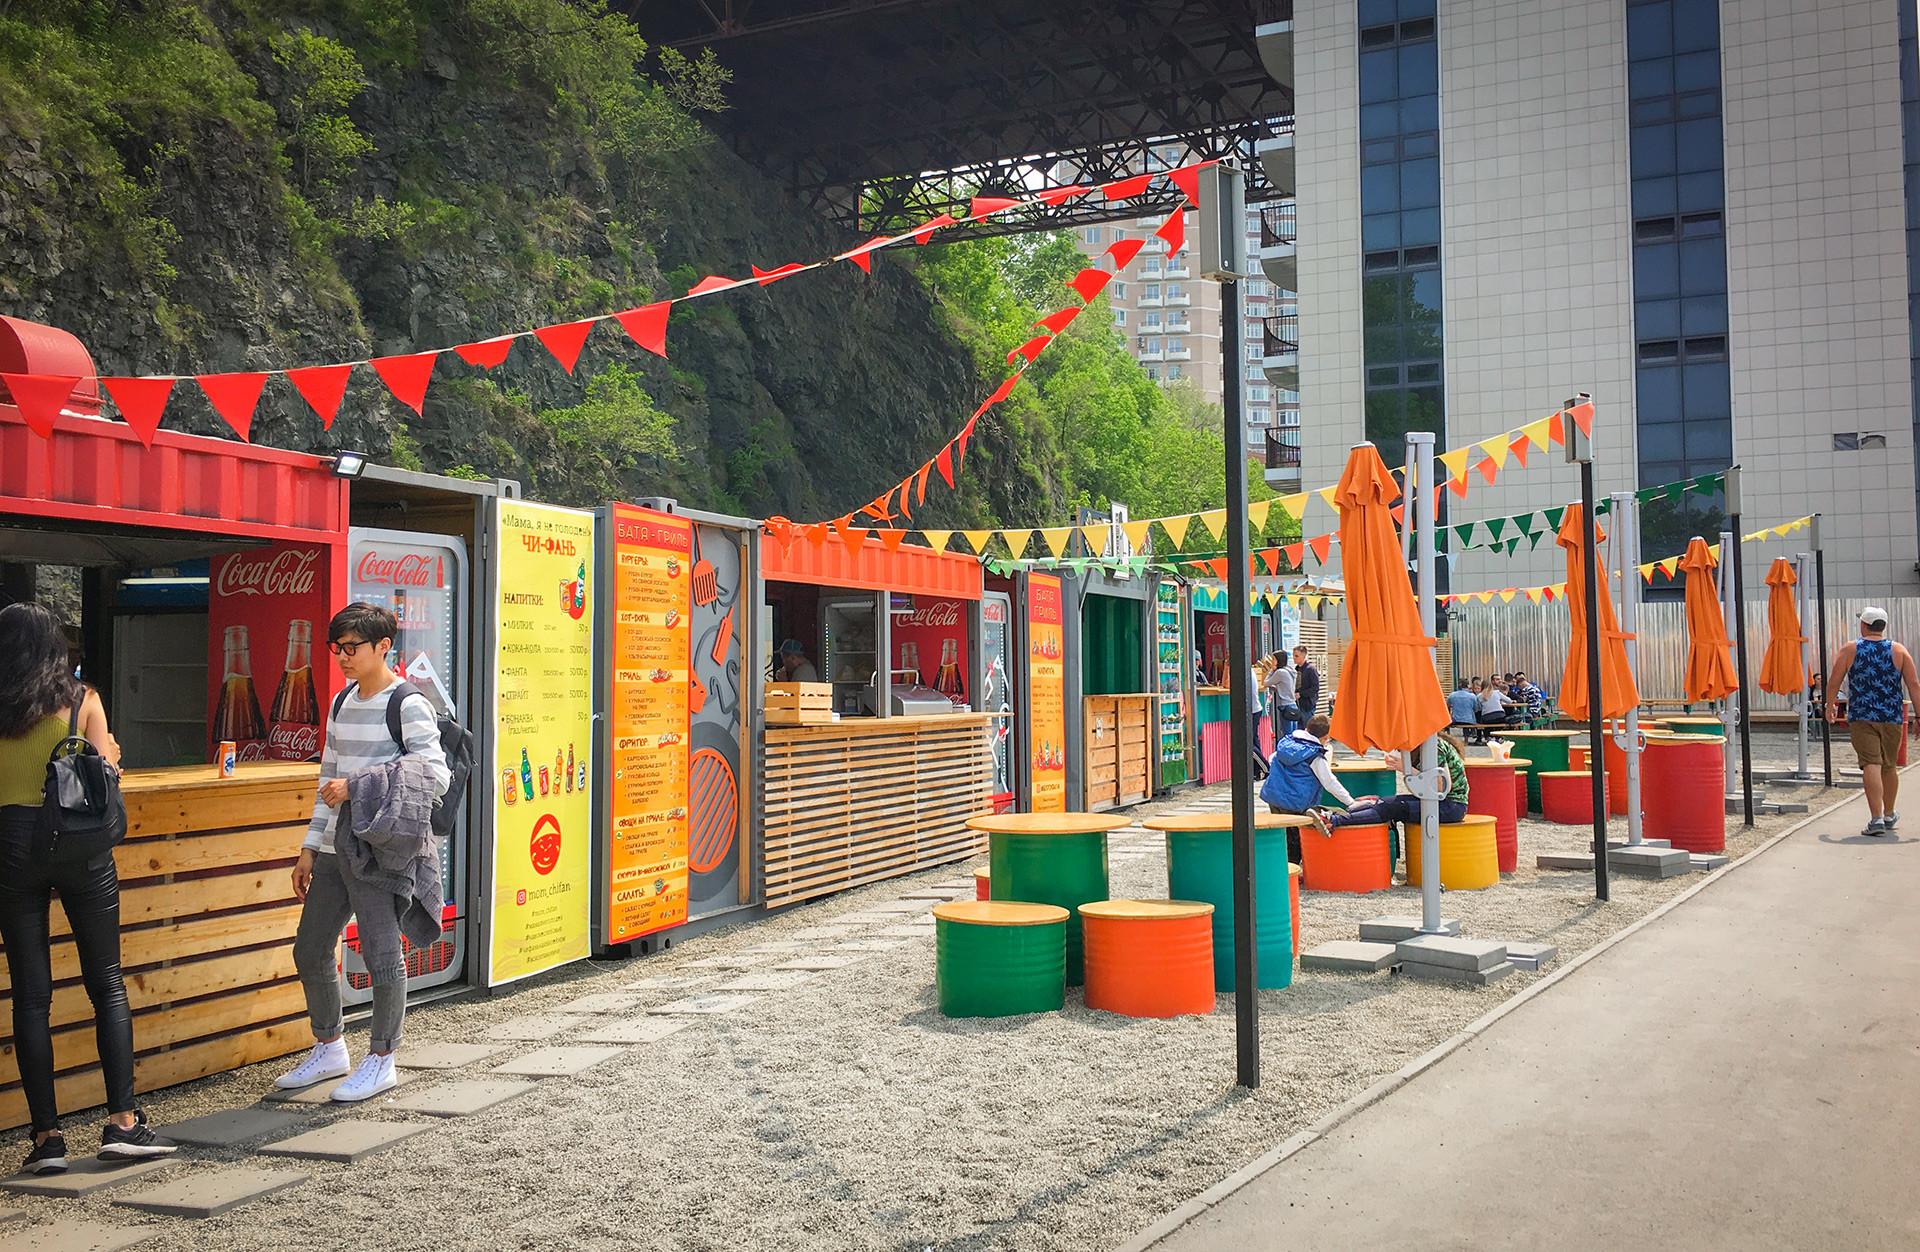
{"x":334,"y":897}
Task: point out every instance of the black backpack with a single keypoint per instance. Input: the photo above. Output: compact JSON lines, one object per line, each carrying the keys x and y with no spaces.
{"x":456,"y":741}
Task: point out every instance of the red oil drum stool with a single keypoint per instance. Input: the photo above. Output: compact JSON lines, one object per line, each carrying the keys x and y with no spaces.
{"x":1683,"y":792}
{"x":1566,"y":797}
{"x":1491,"y":793}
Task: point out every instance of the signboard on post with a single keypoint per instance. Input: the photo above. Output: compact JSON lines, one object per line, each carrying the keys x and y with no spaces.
{"x":266,"y":608}
{"x":1046,"y":684}
{"x":542,"y":740}
{"x":648,"y":722}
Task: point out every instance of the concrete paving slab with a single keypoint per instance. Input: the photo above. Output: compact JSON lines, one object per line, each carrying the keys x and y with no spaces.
{"x":934,"y":895}
{"x":463,"y":1099}
{"x":1393,"y":927}
{"x":444,"y":1055}
{"x":232,"y":1127}
{"x":906,"y":932}
{"x":872,"y":945}
{"x":1453,"y":973}
{"x":345,"y":1141}
{"x":1582,"y":861}
{"x":557,"y":1062}
{"x":901,"y":906}
{"x":1531,"y":956}
{"x":1706,"y":862}
{"x":861,"y":919}
{"x":9,"y":1216}
{"x":789,"y":945}
{"x":211,"y":1192}
{"x":636,"y":1030}
{"x":824,"y":932}
{"x":705,"y":1004}
{"x":321,"y":1093}
{"x":742,"y":960}
{"x":535,"y":1027}
{"x":1350,"y":956}
{"x":85,"y":1175}
{"x":604,"y":1002}
{"x":657,"y":982}
{"x":1452,"y":951}
{"x":1644,"y":843}
{"x":785,"y":980}
{"x":64,"y":1235}
{"x":823,"y":961}
{"x":1647,"y":862}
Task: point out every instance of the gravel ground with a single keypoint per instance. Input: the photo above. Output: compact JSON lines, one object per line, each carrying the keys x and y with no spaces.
{"x":845,"y":1112}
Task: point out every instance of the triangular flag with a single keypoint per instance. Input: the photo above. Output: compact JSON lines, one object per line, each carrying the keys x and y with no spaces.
{"x":1126,"y":188}
{"x":1554,"y":429}
{"x":1456,"y":462}
{"x":1782,"y":531}
{"x":1513,"y":544}
{"x":1030,"y":349}
{"x":1296,"y":553}
{"x":944,"y":463}
{"x":1218,"y":568}
{"x":936,"y":539}
{"x":1547,"y":594}
{"x":978,"y":540}
{"x":1465,"y":531}
{"x":1519,"y":448}
{"x":1321,"y":545}
{"x":890,"y":538}
{"x":1506,"y":596}
{"x":1097,"y":537}
{"x":1714,"y":552}
{"x":40,"y":397}
{"x":406,"y":376}
{"x":487,"y":353}
{"x":1124,"y":250}
{"x":143,"y":400}
{"x":1399,"y":514}
{"x":1497,"y":450}
{"x":1526,"y":523}
{"x":1582,"y":415}
{"x":920,"y":482}
{"x":713,"y":282}
{"x":960,"y":441}
{"x":1173,"y":231}
{"x":566,"y":340}
{"x":1533,"y":539}
{"x":1295,"y":506}
{"x":775,"y":275}
{"x":648,"y":325}
{"x":1326,"y":493}
{"x":1257,"y":513}
{"x":1533,"y":594}
{"x":1553,"y":517}
{"x":322,"y":386}
{"x":1495,"y":525}
{"x":1057,"y":196}
{"x":1458,"y":486}
{"x":981,"y":206}
{"x":906,"y":493}
{"x":1314,"y":602}
{"x":1486,"y":468}
{"x":1058,"y":321}
{"x":1054,"y":538}
{"x":1670,"y":567}
{"x":1215,"y":521}
{"x":851,"y":535}
{"x":1187,"y":179}
{"x":1136,"y":533}
{"x":863,"y":255}
{"x":235,"y":396}
{"x":1090,"y":283}
{"x":924,"y":232}
{"x":1539,"y":433}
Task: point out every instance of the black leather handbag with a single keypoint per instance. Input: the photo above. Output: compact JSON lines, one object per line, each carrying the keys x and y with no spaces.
{"x":82,"y":813}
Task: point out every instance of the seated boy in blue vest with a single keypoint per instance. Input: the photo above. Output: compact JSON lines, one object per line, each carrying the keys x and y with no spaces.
{"x":1299,"y":773}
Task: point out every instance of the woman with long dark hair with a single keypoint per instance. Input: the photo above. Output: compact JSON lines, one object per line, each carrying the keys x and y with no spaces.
{"x":38,"y":693}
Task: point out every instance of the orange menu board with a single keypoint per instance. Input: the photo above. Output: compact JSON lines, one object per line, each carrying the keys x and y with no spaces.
{"x":648,"y":722}
{"x":1046,"y":694}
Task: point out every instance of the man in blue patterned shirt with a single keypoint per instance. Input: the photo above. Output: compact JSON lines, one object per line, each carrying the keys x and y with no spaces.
{"x":1875,"y":669}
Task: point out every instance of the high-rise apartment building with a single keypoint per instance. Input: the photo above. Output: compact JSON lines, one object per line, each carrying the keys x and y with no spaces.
{"x":1699,"y":211}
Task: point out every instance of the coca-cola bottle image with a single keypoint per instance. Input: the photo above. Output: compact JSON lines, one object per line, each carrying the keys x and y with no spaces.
{"x":237,"y":715}
{"x":948,"y":681}
{"x":295,"y":712}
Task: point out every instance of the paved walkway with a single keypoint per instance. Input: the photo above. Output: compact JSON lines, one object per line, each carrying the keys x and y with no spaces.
{"x":1742,"y":1073}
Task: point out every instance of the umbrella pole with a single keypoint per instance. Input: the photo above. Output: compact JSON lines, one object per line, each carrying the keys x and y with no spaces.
{"x":1420,"y":480}
{"x":1595,"y":730}
{"x":1626,"y":524}
{"x":1803,"y":582}
{"x":1826,"y":697}
{"x":1730,"y":704}
{"x":1740,"y":655}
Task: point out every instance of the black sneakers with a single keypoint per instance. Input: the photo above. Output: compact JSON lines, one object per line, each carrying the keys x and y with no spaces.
{"x":136,"y":1144}
{"x":47,"y":1158}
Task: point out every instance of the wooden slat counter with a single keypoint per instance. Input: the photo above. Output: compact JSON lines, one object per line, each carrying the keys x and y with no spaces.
{"x":207,"y":916}
{"x":864,"y":799}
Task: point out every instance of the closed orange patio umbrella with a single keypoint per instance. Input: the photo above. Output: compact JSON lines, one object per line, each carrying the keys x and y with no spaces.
{"x":1390,"y":694}
{"x":1709,"y":652}
{"x":1781,"y":671}
{"x":1618,"y":693}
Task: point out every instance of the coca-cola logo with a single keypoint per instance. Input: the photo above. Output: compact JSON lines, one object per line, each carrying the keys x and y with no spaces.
{"x":938,"y":613}
{"x":289,"y":572}
{"x":411,"y":569}
{"x":293,"y":743}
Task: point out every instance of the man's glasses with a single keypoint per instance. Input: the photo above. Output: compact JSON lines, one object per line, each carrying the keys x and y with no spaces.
{"x":346,"y":647}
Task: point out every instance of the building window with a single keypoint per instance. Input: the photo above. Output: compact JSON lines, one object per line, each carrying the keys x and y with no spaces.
{"x":1257,"y":394}
{"x":1120,"y":318}
{"x":1150,"y":291}
{"x":1176,"y":345}
{"x":1256,"y":351}
{"x":1117,"y":290}
{"x":1174,"y":291}
{"x":1151,"y":319}
{"x":1092,"y":234}
{"x":1259,"y":417}
{"x":1153,"y":345}
{"x":1173,"y":372}
{"x":1153,"y":374}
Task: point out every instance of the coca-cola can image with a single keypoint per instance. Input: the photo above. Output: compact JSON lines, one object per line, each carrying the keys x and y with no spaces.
{"x":229,"y":757}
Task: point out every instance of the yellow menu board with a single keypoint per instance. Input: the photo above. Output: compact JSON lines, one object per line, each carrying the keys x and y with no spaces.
{"x":1046,"y":693}
{"x":649,"y":722}
{"x":542,"y":740}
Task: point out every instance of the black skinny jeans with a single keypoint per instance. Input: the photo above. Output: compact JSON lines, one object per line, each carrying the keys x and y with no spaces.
{"x":90,"y":894}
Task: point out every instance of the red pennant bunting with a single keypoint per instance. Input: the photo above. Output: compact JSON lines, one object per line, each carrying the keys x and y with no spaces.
{"x":983,"y":205}
{"x":1090,"y":283}
{"x":1059,"y":321}
{"x":863,"y":255}
{"x":1399,"y":514}
{"x":1296,"y":553}
{"x":782,"y":529}
{"x":890,"y":538}
{"x":770,"y":276}
{"x":648,"y":325}
{"x":1174,"y":230}
{"x":1187,"y":179}
{"x":944,"y":463}
{"x":1487,"y":469}
{"x":881,"y":509}
{"x":1459,"y":488}
{"x":713,"y":282}
{"x":853,"y":536}
{"x":816,"y":534}
{"x":566,"y":340}
{"x":1124,"y":250}
{"x":1030,"y":349}
{"x":322,"y":386}
{"x":487,"y":353}
{"x":906,"y":493}
{"x":1583,"y":418}
{"x":1126,"y":188}
{"x":40,"y":397}
{"x":1003,"y":390}
{"x":1519,"y":448}
{"x":1555,"y":433}
{"x":920,"y":483}
{"x":1057,"y":196}
{"x":1547,"y":592}
{"x":960,"y":442}
{"x":142,"y":401}
{"x":234,"y":397}
{"x":1321,"y":545}
{"x":406,"y":376}
{"x":925,"y":231}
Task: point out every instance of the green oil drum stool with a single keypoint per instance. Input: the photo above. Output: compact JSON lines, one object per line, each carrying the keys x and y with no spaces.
{"x":1050,"y":858}
{"x":1200,"y":867}
{"x":994,"y":958}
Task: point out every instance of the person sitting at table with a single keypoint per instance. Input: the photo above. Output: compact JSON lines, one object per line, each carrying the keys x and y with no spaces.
{"x":1495,"y":709}
{"x":1405,"y":808}
{"x":1299,"y":773}
{"x":794,"y":666}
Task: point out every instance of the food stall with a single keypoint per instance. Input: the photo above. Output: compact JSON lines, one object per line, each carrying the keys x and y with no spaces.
{"x":883,"y":779}
{"x":1210,"y":698}
{"x":1119,"y":711}
{"x":1173,"y":676}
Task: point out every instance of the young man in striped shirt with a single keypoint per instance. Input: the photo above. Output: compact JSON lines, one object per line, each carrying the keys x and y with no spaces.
{"x":360,"y":636}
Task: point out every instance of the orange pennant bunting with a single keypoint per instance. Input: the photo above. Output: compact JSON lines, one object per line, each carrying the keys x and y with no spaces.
{"x":566,"y":340}
{"x":647,"y":325}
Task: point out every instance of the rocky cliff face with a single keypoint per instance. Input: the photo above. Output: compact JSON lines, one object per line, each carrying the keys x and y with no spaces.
{"x":804,"y":398}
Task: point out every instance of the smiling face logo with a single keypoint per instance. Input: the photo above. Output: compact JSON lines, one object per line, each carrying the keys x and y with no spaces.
{"x":545,"y":846}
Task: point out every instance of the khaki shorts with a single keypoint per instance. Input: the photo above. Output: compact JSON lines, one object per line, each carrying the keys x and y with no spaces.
{"x":1875,"y":743}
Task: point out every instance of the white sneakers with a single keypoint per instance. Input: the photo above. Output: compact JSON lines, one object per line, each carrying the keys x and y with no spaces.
{"x":327,"y":1060}
{"x":374,"y":1076}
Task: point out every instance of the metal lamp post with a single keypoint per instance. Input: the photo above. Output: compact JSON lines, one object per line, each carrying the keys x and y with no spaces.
{"x":1580,"y":451}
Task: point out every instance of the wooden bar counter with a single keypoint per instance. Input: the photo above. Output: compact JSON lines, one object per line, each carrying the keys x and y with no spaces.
{"x":863,"y":799}
{"x":207,"y":917}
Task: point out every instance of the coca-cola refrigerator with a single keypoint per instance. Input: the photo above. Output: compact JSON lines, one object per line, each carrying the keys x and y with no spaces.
{"x":423,"y":578}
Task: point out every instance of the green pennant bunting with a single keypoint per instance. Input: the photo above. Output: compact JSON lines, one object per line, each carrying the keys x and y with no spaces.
{"x":1603,"y":508}
{"x":1513,"y":545}
{"x":1647,"y":495}
{"x":1525,"y":522}
{"x":1537,"y":536}
{"x":1676,"y":490}
{"x":1708,"y":484}
{"x":1494,"y":526}
{"x":1466,"y":534}
{"x":1553,"y":516}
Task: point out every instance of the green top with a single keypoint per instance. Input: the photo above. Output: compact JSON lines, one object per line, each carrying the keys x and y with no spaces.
{"x":1456,"y":772}
{"x":23,"y":762}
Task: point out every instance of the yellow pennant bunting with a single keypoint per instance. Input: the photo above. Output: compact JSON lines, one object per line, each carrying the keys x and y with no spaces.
{"x":1539,"y":433}
{"x":1670,"y":566}
{"x":1215,"y":520}
{"x":1497,"y":449}
{"x":1533,"y":594}
{"x":1295,"y":505}
{"x":1506,"y":597}
{"x":1714,"y":552}
{"x":1257,"y":515}
{"x":1456,"y":462}
{"x":1136,"y":533}
{"x":1097,"y":537}
{"x":1314,"y":602}
{"x":937,"y":539}
{"x":1326,"y":493}
{"x":979,"y":540}
{"x":1055,"y":538}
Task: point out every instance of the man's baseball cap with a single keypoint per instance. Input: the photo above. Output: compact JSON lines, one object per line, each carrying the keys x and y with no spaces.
{"x":1873,"y":618}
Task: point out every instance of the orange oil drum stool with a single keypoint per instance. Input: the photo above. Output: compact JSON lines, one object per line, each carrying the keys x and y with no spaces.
{"x":1468,"y":857}
{"x":1148,"y":958}
{"x":1490,"y":793}
{"x":1353,"y":859}
{"x":981,"y":890}
{"x":1683,"y":792}
{"x":1293,"y":903}
{"x":1566,"y":797}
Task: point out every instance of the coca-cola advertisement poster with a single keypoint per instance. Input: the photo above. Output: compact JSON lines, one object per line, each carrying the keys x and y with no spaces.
{"x":267,"y":677}
{"x":932,"y":641}
{"x":419,"y":577}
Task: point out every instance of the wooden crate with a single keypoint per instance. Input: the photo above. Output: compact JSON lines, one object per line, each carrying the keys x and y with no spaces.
{"x":799,"y":704}
{"x":1117,"y":751}
{"x":206,"y":915}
